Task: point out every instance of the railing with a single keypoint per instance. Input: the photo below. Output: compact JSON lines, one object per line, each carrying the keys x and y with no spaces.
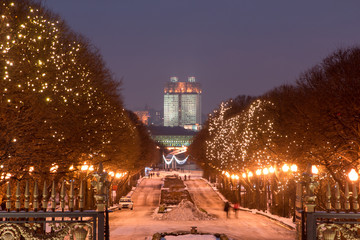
{"x":340,"y":218}
{"x":55,"y":215}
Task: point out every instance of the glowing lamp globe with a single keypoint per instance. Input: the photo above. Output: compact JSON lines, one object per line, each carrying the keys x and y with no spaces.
{"x":244,"y":175}
{"x":294,"y":168}
{"x":285,"y":168}
{"x":265,"y":171}
{"x":258,"y":172}
{"x":314,"y":169}
{"x":271,"y":169}
{"x":84,"y":167}
{"x":353,"y":176}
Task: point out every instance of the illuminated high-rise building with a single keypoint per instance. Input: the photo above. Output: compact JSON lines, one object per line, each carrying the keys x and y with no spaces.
{"x":182,"y":103}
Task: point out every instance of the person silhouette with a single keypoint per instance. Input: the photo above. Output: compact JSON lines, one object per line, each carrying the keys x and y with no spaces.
{"x":227,"y":208}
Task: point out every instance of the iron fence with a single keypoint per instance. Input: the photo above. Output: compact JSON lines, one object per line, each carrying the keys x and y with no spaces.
{"x":55,"y":214}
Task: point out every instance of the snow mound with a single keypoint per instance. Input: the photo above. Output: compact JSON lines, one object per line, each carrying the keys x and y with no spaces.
{"x":186,"y":211}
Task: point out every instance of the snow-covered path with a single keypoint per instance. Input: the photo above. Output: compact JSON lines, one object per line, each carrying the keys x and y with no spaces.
{"x":139,"y":224}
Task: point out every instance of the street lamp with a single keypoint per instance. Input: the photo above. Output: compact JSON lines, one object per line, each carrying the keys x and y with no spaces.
{"x":285,"y":168}
{"x":314,"y":170}
{"x":353,"y":176}
{"x":265,"y":172}
{"x":84,"y":167}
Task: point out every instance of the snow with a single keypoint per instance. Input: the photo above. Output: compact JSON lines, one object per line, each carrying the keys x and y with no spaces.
{"x":185,"y":211}
{"x":286,"y":221}
{"x":139,"y":223}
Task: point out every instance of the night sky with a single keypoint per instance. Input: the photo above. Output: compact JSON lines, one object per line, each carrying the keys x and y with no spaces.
{"x":232,"y":47}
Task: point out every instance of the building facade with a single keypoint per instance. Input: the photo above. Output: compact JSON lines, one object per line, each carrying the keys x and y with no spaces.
{"x":182,"y":103}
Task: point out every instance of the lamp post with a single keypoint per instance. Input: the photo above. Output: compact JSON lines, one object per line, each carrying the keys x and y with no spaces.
{"x":353,"y":176}
{"x":286,"y":169}
{"x":85,"y":169}
{"x":265,"y":173}
{"x":258,"y":189}
{"x":293,"y":169}
{"x":310,"y":188}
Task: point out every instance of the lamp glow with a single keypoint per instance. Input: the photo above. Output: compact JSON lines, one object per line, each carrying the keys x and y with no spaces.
{"x":353,"y":176}
{"x":84,"y":167}
{"x":285,"y":168}
{"x":314,"y":169}
{"x":294,"y":168}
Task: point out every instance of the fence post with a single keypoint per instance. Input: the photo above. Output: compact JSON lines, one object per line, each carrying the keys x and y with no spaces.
{"x":299,"y":216}
{"x":100,"y":186}
{"x":310,"y":226}
{"x":310,"y":205}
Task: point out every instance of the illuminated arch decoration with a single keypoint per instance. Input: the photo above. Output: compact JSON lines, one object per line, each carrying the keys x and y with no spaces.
{"x":180,"y":162}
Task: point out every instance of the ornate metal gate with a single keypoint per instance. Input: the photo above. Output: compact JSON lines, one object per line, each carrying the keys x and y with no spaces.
{"x":59,"y":215}
{"x":340,"y":222}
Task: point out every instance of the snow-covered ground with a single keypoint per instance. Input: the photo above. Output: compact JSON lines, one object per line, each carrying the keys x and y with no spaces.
{"x":140,"y":224}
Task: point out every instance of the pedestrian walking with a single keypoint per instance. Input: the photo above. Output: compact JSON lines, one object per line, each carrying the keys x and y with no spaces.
{"x":227,"y":208}
{"x":236,"y":209}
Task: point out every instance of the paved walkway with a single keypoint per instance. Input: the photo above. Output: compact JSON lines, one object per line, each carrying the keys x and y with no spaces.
{"x":139,"y":224}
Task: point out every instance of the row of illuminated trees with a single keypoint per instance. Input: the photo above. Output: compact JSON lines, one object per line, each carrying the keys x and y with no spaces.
{"x":60,"y":105}
{"x":315,"y":121}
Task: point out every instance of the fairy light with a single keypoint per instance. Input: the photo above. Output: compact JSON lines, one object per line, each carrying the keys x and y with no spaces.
{"x":41,"y":60}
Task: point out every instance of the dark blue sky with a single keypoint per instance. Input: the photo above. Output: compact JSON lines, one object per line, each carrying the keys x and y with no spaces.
{"x":232,"y":47}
